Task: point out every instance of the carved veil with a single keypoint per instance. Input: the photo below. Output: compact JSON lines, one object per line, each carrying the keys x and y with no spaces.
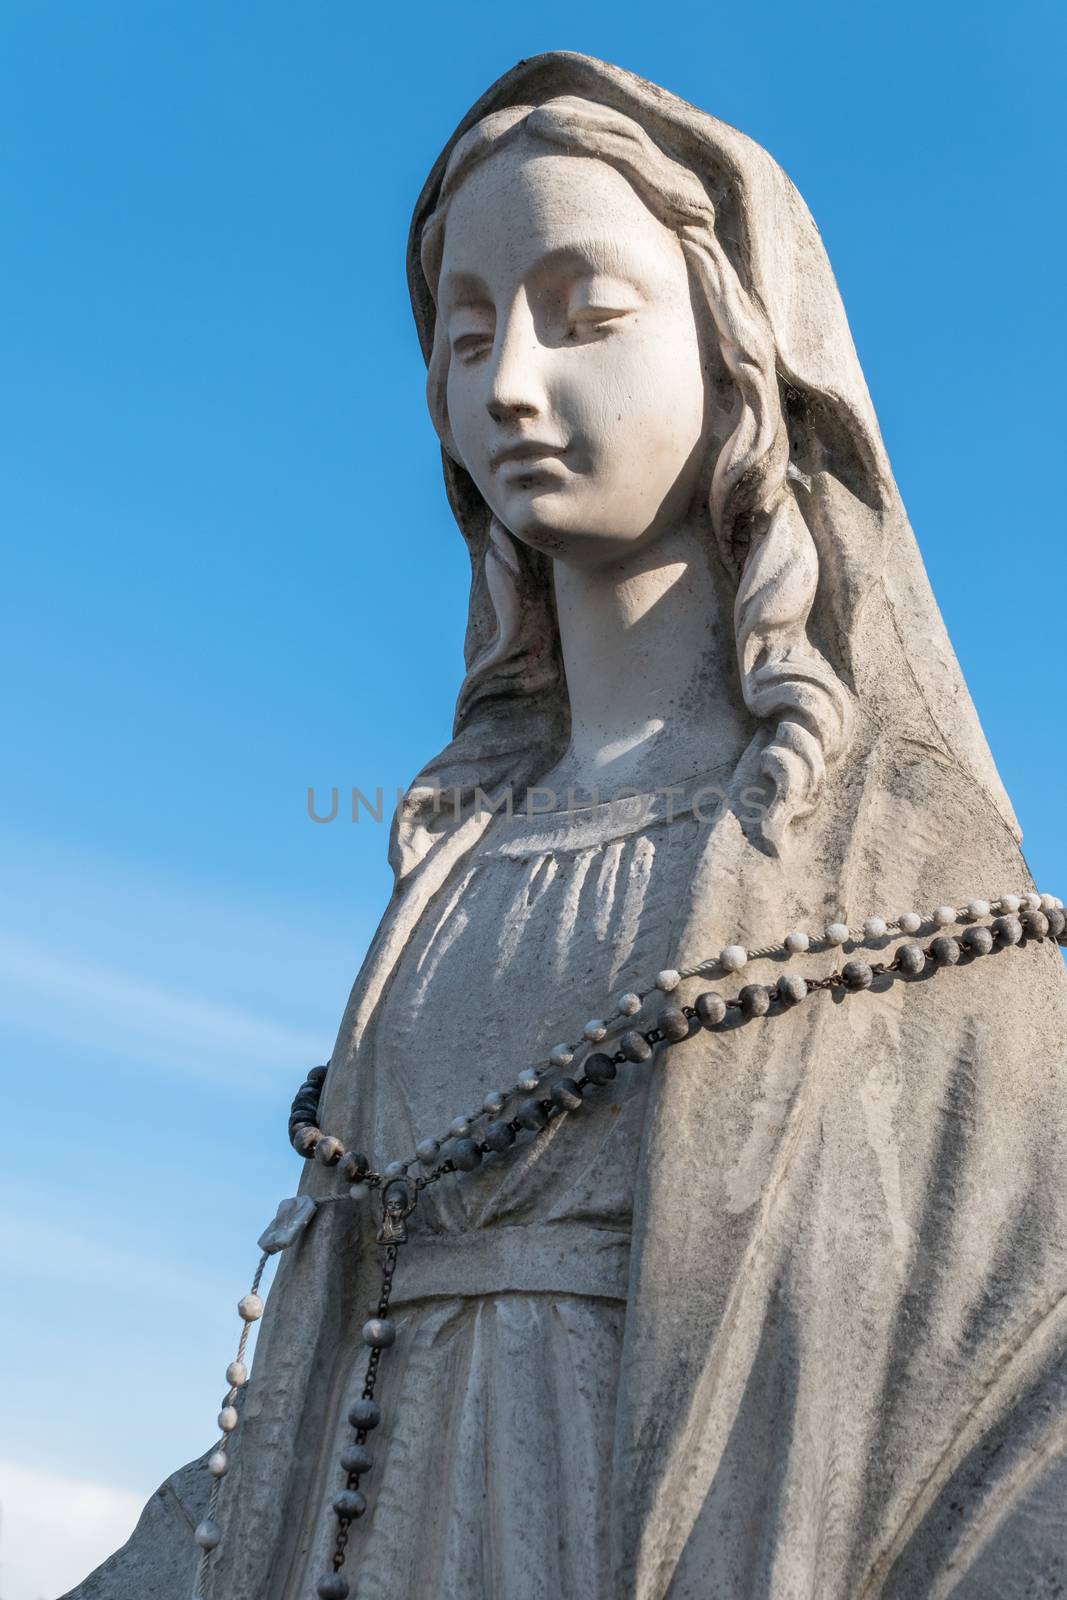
{"x":844,"y":1364}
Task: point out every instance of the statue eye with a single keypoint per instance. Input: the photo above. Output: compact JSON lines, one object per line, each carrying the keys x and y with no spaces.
{"x":471,"y":347}
{"x":596,"y":303}
{"x":592,"y":321}
{"x":470,"y":329}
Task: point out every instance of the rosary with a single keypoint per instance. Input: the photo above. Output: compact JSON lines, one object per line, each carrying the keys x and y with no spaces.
{"x":543,"y":1093}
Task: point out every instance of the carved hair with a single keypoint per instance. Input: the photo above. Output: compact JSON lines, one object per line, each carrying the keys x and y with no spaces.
{"x":761,"y":532}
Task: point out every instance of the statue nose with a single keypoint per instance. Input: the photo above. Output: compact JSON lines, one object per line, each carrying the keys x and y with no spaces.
{"x":502,"y":409}
{"x":516,"y":389}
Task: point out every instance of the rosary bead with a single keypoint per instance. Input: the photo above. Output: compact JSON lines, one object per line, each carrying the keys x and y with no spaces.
{"x":857,"y":975}
{"x":459,"y":1127}
{"x":1057,"y":922}
{"x":710,"y":1009}
{"x":978,"y":940}
{"x":755,"y":1000}
{"x":365,"y":1414}
{"x":349,"y":1504}
{"x":1032,"y":901}
{"x":228,"y":1418}
{"x":837,"y":933}
{"x":909,"y":922}
{"x":595,"y":1030}
{"x":395,"y":1169}
{"x":634,"y":1046}
{"x":978,"y":908}
{"x":466,"y":1155}
{"x":733,"y":958}
{"x":599,"y":1068}
{"x":566,"y":1094}
{"x":668,"y":979}
{"x":329,"y":1150}
{"x":629,"y":1004}
{"x":561,"y":1055}
{"x":1007,"y":930}
{"x":318,"y":1074}
{"x":797,"y":943}
{"x":875,"y":928}
{"x":1009,"y":903}
{"x":945,"y":951}
{"x":236,"y":1374}
{"x":218,"y":1464}
{"x":306,"y":1138}
{"x":356,"y":1458}
{"x":792,"y":988}
{"x":499,"y":1136}
{"x":530,"y":1115}
{"x":945,"y":916}
{"x":353,"y":1165}
{"x":494,"y":1102}
{"x":427,"y":1151}
{"x":912,"y":958}
{"x":250,"y":1308}
{"x":207,"y":1534}
{"x":673,"y":1024}
{"x":529,"y":1080}
{"x":1035,"y":924}
{"x":331,"y":1586}
{"x":379,"y":1332}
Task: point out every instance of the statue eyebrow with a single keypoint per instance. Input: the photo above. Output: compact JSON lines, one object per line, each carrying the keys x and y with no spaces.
{"x":595,"y":257}
{"x":462,"y":289}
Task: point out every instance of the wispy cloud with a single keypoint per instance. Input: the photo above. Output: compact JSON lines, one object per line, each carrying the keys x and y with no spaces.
{"x":91,"y":1006}
{"x":35,"y":1564}
{"x":34,"y":1248}
{"x":107,"y":958}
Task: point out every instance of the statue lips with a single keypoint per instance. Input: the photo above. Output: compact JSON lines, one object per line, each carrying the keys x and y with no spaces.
{"x":527,"y":458}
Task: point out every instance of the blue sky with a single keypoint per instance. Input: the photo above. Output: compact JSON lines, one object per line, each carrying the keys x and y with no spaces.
{"x":232,"y":573}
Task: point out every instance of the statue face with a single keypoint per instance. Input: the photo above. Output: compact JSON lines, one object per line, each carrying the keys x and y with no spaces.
{"x":576,"y":394}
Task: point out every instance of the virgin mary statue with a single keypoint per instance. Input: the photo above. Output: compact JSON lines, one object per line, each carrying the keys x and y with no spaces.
{"x":782,"y":1314}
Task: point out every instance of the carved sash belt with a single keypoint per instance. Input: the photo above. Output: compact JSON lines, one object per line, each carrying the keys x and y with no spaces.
{"x":540,"y":1258}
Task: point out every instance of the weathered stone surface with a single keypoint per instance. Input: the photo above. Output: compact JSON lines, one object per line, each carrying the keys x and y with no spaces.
{"x":781,"y":1313}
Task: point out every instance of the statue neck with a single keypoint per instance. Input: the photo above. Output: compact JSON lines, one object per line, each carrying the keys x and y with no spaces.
{"x":648,"y":648}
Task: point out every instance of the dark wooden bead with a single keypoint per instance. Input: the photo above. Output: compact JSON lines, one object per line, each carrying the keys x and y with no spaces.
{"x":530,"y":1115}
{"x":356,"y":1458}
{"x":349,"y":1504}
{"x":945,"y":951}
{"x":599,"y":1068}
{"x":466,"y":1155}
{"x":353,"y":1165}
{"x":1007,"y":930}
{"x":977,"y":941}
{"x":634,"y":1046}
{"x":1035,"y":924}
{"x":566,"y":1094}
{"x":332,"y":1586}
{"x":857,"y":975}
{"x":365,"y":1414}
{"x":1057,"y":923}
{"x":912,"y":958}
{"x":499,"y":1136}
{"x":673,"y":1024}
{"x":710,"y":1008}
{"x":755,"y":1000}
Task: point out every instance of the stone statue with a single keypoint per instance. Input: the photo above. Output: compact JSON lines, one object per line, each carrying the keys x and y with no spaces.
{"x":785,"y":1315}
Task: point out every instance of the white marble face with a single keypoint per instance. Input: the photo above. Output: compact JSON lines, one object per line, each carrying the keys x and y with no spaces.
{"x":576,"y":393}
